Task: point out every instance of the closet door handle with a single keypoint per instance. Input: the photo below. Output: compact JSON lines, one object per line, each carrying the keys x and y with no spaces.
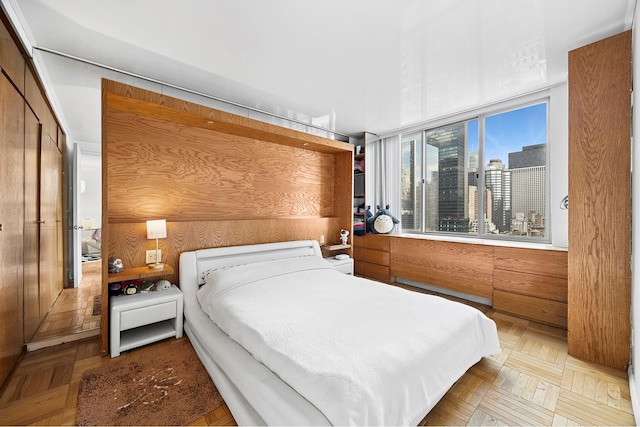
{"x":40,"y":221}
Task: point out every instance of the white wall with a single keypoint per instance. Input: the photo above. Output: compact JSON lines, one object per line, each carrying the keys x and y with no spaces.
{"x":559,"y":164}
{"x":90,"y":200}
{"x":634,"y":370}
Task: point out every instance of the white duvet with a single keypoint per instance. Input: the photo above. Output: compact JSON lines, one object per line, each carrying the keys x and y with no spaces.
{"x":362,"y":352}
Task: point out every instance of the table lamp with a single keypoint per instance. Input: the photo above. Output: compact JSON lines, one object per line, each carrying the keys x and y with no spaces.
{"x":157,"y":229}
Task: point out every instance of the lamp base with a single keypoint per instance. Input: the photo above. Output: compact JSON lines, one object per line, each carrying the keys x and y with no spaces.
{"x":156,"y":265}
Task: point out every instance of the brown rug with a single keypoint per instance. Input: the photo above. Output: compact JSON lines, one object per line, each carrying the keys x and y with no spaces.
{"x":97,"y":305}
{"x":165,"y":385}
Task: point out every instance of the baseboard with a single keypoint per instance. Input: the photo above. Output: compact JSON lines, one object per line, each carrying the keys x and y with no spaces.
{"x":49,"y":342}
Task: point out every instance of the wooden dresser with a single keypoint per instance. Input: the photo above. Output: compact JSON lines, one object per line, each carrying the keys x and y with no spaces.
{"x":371,"y":255}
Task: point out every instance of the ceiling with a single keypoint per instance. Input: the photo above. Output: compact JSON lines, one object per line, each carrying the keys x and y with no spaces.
{"x":349,"y":66}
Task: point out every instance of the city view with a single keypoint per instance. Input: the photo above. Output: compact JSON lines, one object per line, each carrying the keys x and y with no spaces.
{"x":442,"y":188}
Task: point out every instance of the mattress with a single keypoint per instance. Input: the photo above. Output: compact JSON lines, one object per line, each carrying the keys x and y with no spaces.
{"x":259,"y":390}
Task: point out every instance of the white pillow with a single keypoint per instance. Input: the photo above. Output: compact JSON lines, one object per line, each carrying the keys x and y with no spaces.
{"x":221,"y":280}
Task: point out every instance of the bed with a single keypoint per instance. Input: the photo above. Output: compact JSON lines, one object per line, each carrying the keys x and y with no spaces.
{"x":288,"y":340}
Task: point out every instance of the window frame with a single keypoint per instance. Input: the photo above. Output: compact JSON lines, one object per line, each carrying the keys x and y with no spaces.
{"x":481,"y":115}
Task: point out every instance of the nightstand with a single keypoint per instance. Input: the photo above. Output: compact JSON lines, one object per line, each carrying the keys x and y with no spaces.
{"x":342,"y":265}
{"x":143,"y":318}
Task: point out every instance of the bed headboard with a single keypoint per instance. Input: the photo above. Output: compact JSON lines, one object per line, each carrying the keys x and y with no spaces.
{"x":193,"y":264}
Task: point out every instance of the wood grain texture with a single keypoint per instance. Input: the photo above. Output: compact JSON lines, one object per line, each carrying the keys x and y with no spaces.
{"x":11,"y":60}
{"x":378,"y":242}
{"x":538,"y":309}
{"x":128,"y":241}
{"x":217,"y":178}
{"x":599,"y":275}
{"x":371,"y":256}
{"x":50,"y":176}
{"x":12,"y":224}
{"x":547,"y":287}
{"x":461,"y":267}
{"x":532,"y":283}
{"x":63,"y":219}
{"x":532,"y":261}
{"x":377,"y":272}
{"x":129,"y":99}
{"x":343,"y":195}
{"x":194,"y":174}
{"x":32,"y":315}
{"x":34,"y":95}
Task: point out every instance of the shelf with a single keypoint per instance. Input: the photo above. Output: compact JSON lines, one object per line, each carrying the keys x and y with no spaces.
{"x":147,"y":334}
{"x":139,"y":273}
{"x":335,"y":247}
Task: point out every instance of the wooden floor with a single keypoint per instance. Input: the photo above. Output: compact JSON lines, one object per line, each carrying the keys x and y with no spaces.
{"x":72,"y":313}
{"x":533,"y":382}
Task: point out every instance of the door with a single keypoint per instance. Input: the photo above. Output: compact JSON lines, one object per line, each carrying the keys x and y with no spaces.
{"x":75,"y":220}
{"x":11,"y":226}
{"x":49,"y":184}
{"x":32,"y":314}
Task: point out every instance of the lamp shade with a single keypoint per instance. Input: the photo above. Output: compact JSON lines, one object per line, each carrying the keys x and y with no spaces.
{"x":157,"y":229}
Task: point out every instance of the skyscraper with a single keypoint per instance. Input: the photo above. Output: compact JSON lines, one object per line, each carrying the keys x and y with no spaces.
{"x":450,"y":146}
{"x":498,"y":180}
{"x":528,"y":188}
{"x":531,"y":155}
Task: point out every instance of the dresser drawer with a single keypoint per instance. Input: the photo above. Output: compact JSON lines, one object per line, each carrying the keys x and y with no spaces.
{"x":146,"y":315}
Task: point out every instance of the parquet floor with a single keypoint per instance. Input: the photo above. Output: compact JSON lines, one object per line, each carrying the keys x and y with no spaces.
{"x":73,"y":310}
{"x":533,"y":382}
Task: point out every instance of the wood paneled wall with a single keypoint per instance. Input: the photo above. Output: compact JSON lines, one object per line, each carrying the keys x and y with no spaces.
{"x":371,"y":256}
{"x":529,"y":283}
{"x":460,"y":267}
{"x":31,"y":210}
{"x":217,"y":178}
{"x":600,"y":195}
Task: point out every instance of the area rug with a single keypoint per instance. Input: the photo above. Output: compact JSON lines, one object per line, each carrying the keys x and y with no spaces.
{"x":97,"y":305}
{"x":166,"y":385}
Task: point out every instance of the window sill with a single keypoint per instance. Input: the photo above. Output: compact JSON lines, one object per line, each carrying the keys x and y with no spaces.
{"x":489,"y":242}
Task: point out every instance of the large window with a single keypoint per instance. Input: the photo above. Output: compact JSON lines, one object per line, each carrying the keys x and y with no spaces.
{"x":481,"y":177}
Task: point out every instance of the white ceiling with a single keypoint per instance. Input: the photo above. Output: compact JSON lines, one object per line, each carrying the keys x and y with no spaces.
{"x":349,"y":65}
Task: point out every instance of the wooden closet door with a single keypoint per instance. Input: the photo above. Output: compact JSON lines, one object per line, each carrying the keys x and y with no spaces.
{"x":11,"y":226}
{"x":49,"y":186}
{"x":599,"y":256}
{"x":32,"y":314}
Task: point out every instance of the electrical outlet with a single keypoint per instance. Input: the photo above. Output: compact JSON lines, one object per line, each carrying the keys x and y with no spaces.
{"x":151,"y":256}
{"x":322,"y":239}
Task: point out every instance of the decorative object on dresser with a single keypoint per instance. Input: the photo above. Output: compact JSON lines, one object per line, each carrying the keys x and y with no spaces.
{"x":344,"y":236}
{"x":166,"y":385}
{"x":382,"y":222}
{"x":115,"y":265}
{"x":157,"y":229}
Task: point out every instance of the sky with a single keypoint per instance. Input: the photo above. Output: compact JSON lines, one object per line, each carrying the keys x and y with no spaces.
{"x":510,"y":131}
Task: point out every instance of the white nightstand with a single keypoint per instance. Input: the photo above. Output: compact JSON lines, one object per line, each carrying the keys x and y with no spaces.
{"x":144,"y":318}
{"x":342,"y":265}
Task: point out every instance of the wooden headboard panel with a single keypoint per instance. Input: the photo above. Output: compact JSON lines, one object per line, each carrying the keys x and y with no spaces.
{"x":219,"y":179}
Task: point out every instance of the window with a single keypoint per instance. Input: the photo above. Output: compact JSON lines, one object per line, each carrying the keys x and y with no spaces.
{"x":481,"y":177}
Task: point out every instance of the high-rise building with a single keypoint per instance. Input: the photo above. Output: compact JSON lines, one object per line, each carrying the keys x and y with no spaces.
{"x":452,"y":176}
{"x":528,"y":189}
{"x":531,"y":155}
{"x":498,"y":180}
